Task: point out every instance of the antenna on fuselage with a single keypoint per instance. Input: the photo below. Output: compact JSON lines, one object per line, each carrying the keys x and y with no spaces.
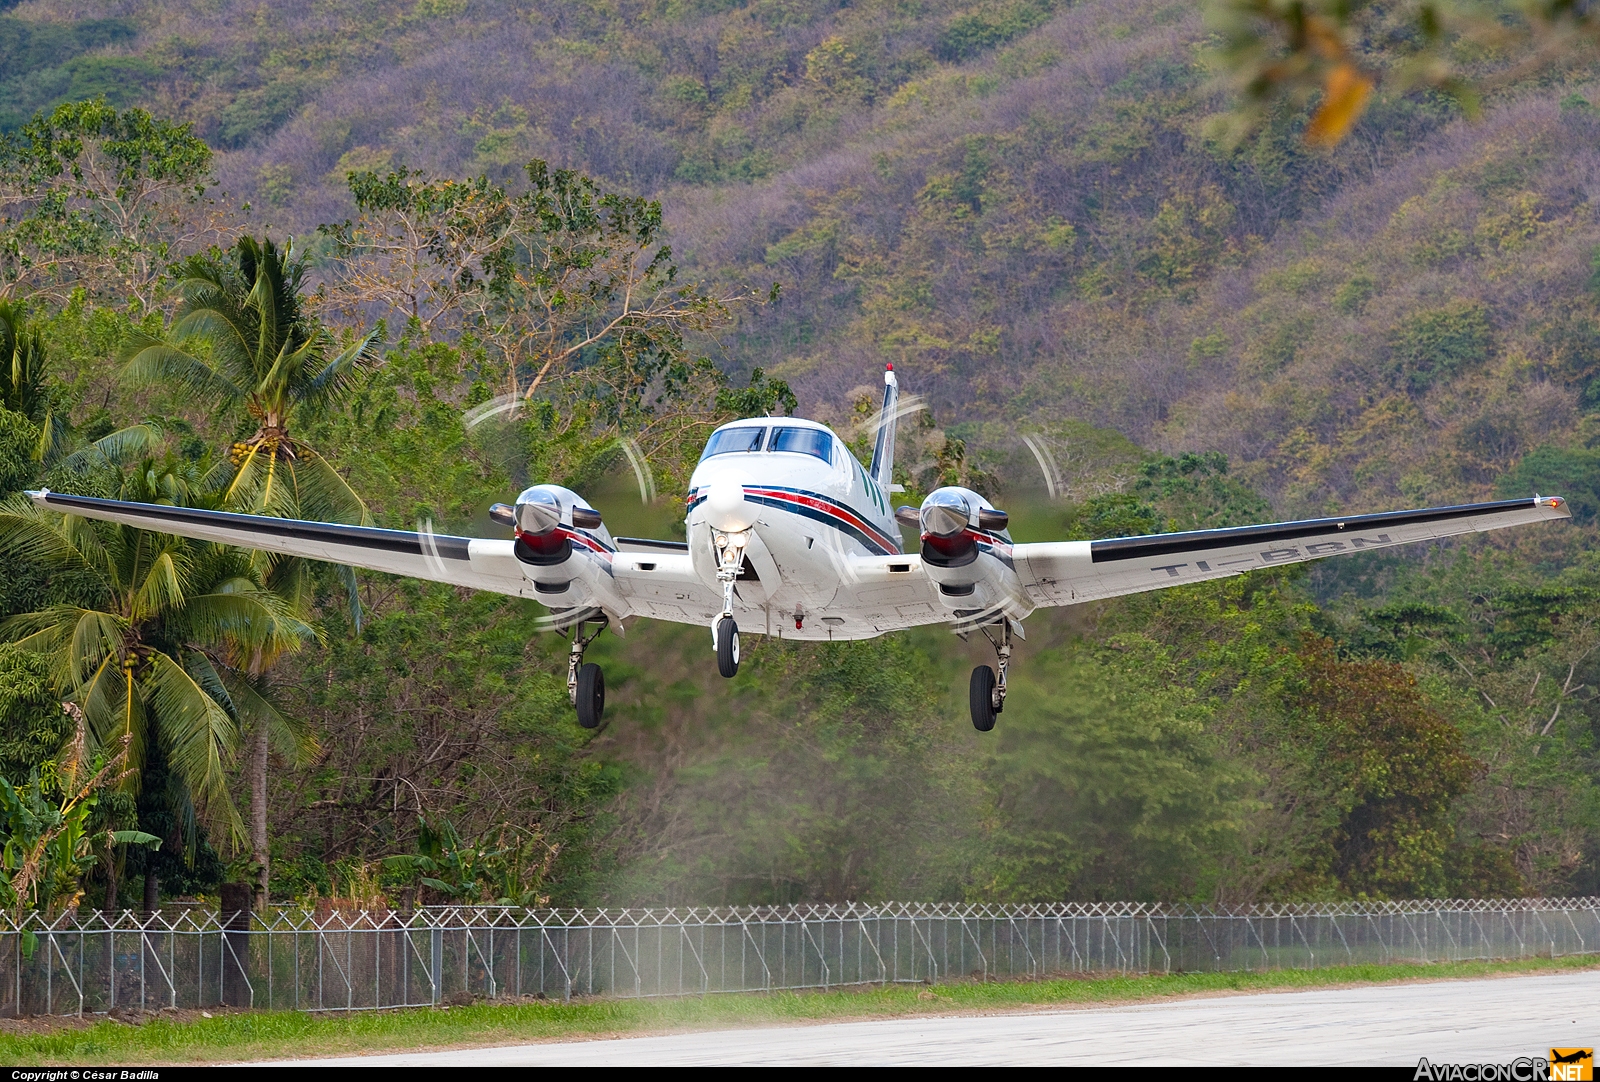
{"x":883,"y":454}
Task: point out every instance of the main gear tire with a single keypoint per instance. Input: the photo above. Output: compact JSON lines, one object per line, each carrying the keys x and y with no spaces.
{"x":591,"y":696}
{"x":982,"y":698}
{"x":727,"y":647}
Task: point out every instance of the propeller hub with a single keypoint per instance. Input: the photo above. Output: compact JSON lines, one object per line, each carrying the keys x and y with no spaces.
{"x":945,"y":514}
{"x":538,"y":511}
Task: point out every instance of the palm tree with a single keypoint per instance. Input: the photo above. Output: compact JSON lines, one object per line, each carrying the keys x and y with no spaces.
{"x":243,"y":340}
{"x":23,"y":388}
{"x":260,"y":351}
{"x":150,"y":659}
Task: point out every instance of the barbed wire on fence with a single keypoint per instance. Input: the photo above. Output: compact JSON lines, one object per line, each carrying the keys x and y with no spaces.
{"x":330,"y":958}
{"x":194,"y":919}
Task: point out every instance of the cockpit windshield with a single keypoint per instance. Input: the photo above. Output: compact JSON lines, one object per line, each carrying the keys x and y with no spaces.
{"x":804,"y":441}
{"x":743,"y":439}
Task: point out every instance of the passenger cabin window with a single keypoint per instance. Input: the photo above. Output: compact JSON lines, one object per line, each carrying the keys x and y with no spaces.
{"x":734,"y":440}
{"x":805,"y":441}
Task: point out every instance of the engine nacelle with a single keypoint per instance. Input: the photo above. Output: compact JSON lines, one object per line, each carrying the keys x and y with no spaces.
{"x":549,"y":520}
{"x":966,"y":550}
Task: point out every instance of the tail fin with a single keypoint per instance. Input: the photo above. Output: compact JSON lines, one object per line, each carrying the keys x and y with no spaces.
{"x":883,"y":455}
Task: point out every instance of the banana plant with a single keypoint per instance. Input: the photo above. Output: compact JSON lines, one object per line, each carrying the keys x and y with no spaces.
{"x":46,"y":846}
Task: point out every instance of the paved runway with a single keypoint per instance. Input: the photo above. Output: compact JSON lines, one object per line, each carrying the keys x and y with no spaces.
{"x":1477,"y":1021}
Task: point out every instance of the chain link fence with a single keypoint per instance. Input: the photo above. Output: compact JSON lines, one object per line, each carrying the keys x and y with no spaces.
{"x":346,"y":961}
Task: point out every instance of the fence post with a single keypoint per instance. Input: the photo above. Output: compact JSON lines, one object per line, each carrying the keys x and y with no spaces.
{"x":237,"y":899}
{"x":436,"y":961}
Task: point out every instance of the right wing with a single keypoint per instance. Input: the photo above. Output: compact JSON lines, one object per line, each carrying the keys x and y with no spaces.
{"x":475,"y":562}
{"x":1069,"y":572}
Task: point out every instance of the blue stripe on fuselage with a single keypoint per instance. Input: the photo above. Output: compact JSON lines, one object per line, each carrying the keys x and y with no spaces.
{"x":875,"y":545}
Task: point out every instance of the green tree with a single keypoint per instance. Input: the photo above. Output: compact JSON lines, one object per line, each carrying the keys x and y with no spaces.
{"x":47,"y":836}
{"x":549,"y":276}
{"x":98,"y":198}
{"x":33,"y":723}
{"x":24,"y":384}
{"x":242,"y":340}
{"x":18,"y":440}
{"x":1385,"y":766}
{"x":144,"y":663}
{"x":1336,"y":52}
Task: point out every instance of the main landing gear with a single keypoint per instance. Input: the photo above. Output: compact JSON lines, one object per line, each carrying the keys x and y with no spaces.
{"x":586,"y":684}
{"x":987,"y":692}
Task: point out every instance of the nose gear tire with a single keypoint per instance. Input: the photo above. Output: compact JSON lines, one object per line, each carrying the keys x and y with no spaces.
{"x":983,"y":698}
{"x":727,"y":647}
{"x":591,"y":695}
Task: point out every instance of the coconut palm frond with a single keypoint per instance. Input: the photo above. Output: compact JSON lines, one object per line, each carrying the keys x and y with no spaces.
{"x":199,"y":738}
{"x":161,"y":588}
{"x":253,"y":621}
{"x":42,"y":632}
{"x":95,"y":637}
{"x":323,"y":493}
{"x":291,"y":736}
{"x":120,"y":448}
{"x":101,"y":549}
{"x":30,"y":534}
{"x":331,"y":384}
{"x":156,"y":361}
{"x":24,"y":386}
{"x":113,"y":708}
{"x":352,"y":593}
{"x":229,"y":332}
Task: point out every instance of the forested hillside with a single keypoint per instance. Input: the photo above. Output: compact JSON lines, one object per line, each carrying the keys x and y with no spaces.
{"x":1027,"y":207}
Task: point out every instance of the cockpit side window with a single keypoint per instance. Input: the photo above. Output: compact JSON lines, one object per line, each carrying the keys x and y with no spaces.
{"x":743,"y":439}
{"x":805,"y":441}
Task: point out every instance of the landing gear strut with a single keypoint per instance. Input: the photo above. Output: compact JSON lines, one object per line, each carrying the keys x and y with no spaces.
{"x":586,"y":684}
{"x":988,"y":692}
{"x":724,"y":631}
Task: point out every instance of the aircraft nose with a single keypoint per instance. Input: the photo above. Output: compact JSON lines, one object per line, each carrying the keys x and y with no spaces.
{"x":726,"y":507}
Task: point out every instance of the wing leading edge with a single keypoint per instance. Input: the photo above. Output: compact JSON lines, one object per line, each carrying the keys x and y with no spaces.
{"x":475,"y":562}
{"x":1069,"y":572}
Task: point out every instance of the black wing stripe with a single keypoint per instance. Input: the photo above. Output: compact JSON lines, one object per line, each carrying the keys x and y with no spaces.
{"x":365,"y":537}
{"x":624,"y":544}
{"x":1139,"y":548}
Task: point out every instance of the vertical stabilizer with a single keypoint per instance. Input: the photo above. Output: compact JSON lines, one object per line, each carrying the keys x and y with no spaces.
{"x":883,"y":454}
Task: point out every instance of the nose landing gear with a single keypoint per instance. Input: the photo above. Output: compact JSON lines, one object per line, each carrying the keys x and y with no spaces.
{"x":727,"y":647}
{"x":586,"y":684}
{"x":987,"y":692}
{"x":724,"y":631}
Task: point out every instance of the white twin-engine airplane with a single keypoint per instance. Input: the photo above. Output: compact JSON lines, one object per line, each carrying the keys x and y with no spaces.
{"x":788,"y":535}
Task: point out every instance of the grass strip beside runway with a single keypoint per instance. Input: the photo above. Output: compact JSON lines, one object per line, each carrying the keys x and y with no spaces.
{"x":256,"y":1035}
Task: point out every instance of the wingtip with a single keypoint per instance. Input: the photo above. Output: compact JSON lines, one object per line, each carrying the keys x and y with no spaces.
{"x":37,"y":495}
{"x":1555,"y":503}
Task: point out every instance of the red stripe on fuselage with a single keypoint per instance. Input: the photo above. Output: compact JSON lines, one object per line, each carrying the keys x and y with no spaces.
{"x":586,"y":541}
{"x":818,"y":504}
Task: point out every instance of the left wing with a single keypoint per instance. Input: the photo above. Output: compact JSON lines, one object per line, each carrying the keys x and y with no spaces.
{"x":476,"y":562}
{"x":1068,"y":572}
